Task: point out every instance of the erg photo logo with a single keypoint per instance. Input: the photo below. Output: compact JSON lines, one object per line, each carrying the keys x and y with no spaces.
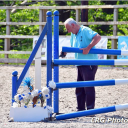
{"x":109,"y":120}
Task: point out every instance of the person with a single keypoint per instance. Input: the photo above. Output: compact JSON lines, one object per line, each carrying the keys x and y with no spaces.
{"x":84,"y":38}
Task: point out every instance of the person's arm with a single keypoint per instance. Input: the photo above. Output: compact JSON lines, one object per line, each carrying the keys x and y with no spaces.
{"x":94,"y":41}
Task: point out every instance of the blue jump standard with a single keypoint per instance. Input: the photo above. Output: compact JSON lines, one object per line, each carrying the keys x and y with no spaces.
{"x":56,"y":56}
{"x":93,"y":51}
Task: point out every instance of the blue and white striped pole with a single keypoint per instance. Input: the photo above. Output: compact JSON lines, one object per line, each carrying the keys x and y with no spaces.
{"x":56,"y":56}
{"x":90,"y":62}
{"x":92,"y":112}
{"x":96,"y":51}
{"x":88,"y":83}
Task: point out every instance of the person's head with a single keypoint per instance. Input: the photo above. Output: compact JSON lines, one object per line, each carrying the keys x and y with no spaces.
{"x":71,"y":26}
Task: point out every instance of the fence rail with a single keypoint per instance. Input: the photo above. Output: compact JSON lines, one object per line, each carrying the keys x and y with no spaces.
{"x":66,"y":7}
{"x":42,"y":22}
{"x":80,"y":23}
{"x":23,"y":61}
{"x":15,"y":52}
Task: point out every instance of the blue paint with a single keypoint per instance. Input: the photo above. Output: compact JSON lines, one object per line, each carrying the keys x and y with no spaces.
{"x":25,"y":106}
{"x":86,"y":113}
{"x":93,"y":51}
{"x":56,"y":56}
{"x":46,"y":95}
{"x":83,"y":62}
{"x":29,"y":93}
{"x":39,"y":91}
{"x":85,"y":84}
{"x":20,"y":98}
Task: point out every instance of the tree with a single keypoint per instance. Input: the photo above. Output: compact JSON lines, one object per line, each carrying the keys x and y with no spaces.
{"x":63,"y":15}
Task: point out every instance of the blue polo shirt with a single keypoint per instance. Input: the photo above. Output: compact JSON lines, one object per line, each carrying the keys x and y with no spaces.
{"x":82,"y":40}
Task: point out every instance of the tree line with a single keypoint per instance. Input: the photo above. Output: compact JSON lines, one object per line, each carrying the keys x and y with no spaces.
{"x":32,"y":15}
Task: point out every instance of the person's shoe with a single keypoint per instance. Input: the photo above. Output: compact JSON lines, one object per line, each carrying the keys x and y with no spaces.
{"x":91,"y":115}
{"x":84,"y":110}
{"x":80,"y":110}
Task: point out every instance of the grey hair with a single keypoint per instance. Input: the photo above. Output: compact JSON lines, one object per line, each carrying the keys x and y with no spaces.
{"x":70,"y":21}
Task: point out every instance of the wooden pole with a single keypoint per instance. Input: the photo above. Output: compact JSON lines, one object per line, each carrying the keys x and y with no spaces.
{"x":77,"y":15}
{"x":42,"y":18}
{"x":7,"y":40}
{"x":114,"y":41}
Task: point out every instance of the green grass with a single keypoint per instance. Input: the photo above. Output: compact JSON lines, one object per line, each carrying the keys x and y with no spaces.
{"x":16,"y":56}
{"x":26,"y":56}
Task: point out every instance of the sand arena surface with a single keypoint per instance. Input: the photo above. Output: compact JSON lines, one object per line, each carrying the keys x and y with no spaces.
{"x":105,"y":96}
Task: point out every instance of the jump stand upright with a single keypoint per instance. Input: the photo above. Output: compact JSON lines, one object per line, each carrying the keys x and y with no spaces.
{"x":54,"y":84}
{"x":19,"y":110}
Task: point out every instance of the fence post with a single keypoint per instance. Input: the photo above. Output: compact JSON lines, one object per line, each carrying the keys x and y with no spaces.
{"x":77,"y":15}
{"x":114,"y":41}
{"x":7,"y":40}
{"x":49,"y":53}
{"x":56,"y":56}
{"x":14,"y":84}
{"x":42,"y":18}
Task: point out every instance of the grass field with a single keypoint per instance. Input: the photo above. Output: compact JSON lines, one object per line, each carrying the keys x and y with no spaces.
{"x":26,"y":56}
{"x":17,"y":56}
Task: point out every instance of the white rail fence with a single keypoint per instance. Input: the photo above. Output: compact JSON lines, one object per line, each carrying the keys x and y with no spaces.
{"x":42,"y":22}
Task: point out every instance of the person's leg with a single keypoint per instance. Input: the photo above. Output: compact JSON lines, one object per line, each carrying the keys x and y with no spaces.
{"x":80,"y":93}
{"x":90,"y":97}
{"x":88,"y":73}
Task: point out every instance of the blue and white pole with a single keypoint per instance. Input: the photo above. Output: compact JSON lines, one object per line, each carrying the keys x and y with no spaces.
{"x":56,"y":56}
{"x":49,"y":53}
{"x":90,"y":62}
{"x":92,"y":112}
{"x":96,"y":51}
{"x":87,"y":83}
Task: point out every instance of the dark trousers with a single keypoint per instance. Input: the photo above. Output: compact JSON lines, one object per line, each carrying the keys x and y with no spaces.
{"x":86,"y":94}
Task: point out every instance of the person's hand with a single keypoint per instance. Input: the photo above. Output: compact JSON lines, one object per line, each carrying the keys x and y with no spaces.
{"x":63,"y":54}
{"x":85,"y":50}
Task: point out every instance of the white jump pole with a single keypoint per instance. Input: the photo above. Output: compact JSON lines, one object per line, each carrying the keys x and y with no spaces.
{"x":37,"y":65}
